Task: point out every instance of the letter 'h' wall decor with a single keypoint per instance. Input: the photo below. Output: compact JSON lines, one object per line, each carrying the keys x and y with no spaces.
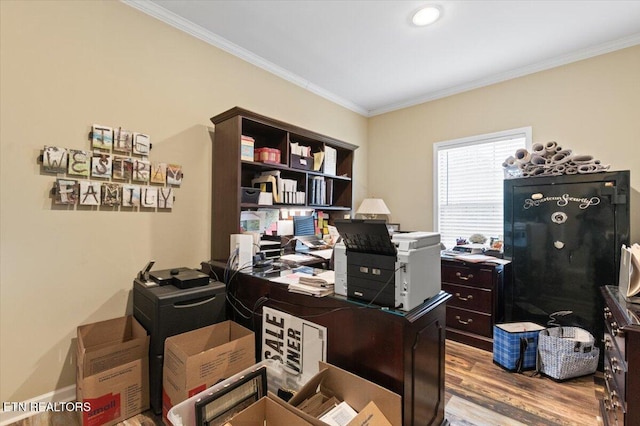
{"x":116,"y":173}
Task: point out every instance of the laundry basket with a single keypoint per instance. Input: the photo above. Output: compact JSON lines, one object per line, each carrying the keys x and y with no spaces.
{"x":567,"y":352}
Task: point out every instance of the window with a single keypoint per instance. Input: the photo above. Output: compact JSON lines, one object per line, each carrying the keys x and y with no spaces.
{"x":468,"y":176}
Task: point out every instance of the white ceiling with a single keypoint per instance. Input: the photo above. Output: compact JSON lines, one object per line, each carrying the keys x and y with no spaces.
{"x":367,"y":56}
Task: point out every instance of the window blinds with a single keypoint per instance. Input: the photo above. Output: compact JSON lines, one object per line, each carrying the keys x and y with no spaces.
{"x":469,"y":185}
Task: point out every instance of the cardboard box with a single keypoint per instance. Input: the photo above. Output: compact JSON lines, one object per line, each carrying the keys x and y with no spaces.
{"x":267,"y":155}
{"x":508,"y":339}
{"x":359,"y":393}
{"x":278,"y":377}
{"x":198,"y":359}
{"x":269,"y":411}
{"x":246,"y":148}
{"x":112,"y":370}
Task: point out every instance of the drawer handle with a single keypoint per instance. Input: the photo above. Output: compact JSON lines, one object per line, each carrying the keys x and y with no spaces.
{"x":462,"y":277}
{"x":181,"y":305}
{"x":464,"y":299}
{"x":469,"y":321}
{"x":608,"y":345}
{"x":614,"y":365}
{"x":615,"y":330}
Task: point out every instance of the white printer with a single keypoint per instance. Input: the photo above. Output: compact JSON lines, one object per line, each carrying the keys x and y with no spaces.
{"x":400,"y":272}
{"x":417,"y":268}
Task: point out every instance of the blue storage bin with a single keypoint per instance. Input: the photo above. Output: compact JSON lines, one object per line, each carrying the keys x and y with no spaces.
{"x":507,"y":342}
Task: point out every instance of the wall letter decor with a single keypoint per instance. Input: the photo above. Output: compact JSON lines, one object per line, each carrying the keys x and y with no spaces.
{"x":101,"y":163}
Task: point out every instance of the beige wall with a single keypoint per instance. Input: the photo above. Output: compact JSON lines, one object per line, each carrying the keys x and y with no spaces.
{"x":591,"y":106}
{"x":67,"y":65}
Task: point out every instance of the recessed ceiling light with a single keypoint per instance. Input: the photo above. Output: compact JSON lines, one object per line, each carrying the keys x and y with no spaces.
{"x":426,"y":16}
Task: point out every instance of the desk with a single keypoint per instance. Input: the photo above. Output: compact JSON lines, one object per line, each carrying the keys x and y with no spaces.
{"x":401,"y":351}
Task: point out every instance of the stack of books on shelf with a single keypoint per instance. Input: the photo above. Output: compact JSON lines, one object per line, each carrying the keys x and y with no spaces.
{"x":314,"y":285}
{"x":321,"y":191}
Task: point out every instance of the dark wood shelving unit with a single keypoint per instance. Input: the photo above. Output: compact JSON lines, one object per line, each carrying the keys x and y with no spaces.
{"x":230,"y":173}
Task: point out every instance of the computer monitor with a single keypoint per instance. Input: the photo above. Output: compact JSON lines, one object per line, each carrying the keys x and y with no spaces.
{"x":303,"y":225}
{"x":304,"y":230}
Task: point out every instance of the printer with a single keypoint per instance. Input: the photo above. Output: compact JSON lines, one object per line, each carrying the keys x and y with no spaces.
{"x":398,"y":272}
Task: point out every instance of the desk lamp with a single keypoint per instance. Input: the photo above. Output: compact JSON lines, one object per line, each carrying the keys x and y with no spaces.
{"x":372,"y":207}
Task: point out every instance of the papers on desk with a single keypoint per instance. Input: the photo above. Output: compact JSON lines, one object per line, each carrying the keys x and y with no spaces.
{"x":325,"y":254}
{"x":479,"y":258}
{"x":298,"y":258}
{"x":323,"y":279}
{"x":313,"y":285}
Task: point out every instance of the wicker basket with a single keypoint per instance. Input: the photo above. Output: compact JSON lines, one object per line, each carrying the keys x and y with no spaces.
{"x":567,"y":352}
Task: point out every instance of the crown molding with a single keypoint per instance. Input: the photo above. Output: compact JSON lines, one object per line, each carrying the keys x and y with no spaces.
{"x":576,"y":56}
{"x":152,"y":9}
{"x":170,"y":18}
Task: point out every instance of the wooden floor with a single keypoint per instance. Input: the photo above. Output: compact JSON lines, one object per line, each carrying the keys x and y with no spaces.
{"x":471,"y":377}
{"x":470,"y":374}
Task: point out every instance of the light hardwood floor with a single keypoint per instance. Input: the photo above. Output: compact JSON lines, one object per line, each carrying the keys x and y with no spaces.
{"x":470,"y":377}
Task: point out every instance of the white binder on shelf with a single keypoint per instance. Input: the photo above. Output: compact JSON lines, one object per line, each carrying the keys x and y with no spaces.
{"x":330,"y":160}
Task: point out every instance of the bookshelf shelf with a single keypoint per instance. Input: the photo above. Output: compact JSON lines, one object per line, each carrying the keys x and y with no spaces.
{"x":231,"y":172}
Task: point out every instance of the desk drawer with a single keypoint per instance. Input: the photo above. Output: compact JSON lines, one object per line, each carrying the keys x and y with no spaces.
{"x":472,"y":298}
{"x":469,"y":276}
{"x":470,"y":321}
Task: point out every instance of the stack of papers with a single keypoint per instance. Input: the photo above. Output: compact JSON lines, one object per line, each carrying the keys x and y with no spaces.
{"x":313,"y":285}
{"x":479,"y":258}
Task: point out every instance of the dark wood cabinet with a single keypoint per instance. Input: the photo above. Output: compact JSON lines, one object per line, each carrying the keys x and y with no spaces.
{"x":401,"y":351}
{"x":620,"y":404}
{"x":476,"y":302}
{"x":230,"y":172}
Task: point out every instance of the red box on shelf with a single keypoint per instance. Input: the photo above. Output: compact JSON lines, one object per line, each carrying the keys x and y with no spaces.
{"x":266,"y":155}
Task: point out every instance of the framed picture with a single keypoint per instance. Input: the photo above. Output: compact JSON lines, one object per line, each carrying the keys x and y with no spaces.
{"x":393,"y":227}
{"x":219,"y":406}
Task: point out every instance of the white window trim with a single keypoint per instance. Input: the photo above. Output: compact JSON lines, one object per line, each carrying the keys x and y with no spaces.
{"x":472,"y":140}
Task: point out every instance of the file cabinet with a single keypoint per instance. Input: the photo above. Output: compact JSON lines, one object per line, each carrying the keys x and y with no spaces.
{"x":165,"y":311}
{"x":620,"y":405}
{"x":476,"y":302}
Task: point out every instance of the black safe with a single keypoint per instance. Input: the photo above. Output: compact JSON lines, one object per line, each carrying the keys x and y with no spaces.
{"x":167,"y":310}
{"x":563,"y":236}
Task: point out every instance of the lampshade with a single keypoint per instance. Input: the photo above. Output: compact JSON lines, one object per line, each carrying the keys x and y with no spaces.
{"x":371,"y":207}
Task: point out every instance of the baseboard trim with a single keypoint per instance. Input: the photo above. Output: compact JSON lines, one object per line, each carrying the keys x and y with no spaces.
{"x":59,"y":395}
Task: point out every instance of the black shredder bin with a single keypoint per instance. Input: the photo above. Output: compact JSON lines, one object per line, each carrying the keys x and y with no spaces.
{"x":167,"y":310}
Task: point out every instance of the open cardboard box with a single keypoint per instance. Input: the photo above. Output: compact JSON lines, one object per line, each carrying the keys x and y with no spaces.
{"x":112,"y":371}
{"x":269,"y":411}
{"x":198,"y":359}
{"x":376,"y":405}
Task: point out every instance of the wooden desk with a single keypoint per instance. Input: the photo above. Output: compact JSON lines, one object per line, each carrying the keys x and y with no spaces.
{"x":401,"y":351}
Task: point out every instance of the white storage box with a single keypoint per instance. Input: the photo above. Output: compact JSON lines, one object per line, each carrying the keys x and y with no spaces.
{"x":184,"y":413}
